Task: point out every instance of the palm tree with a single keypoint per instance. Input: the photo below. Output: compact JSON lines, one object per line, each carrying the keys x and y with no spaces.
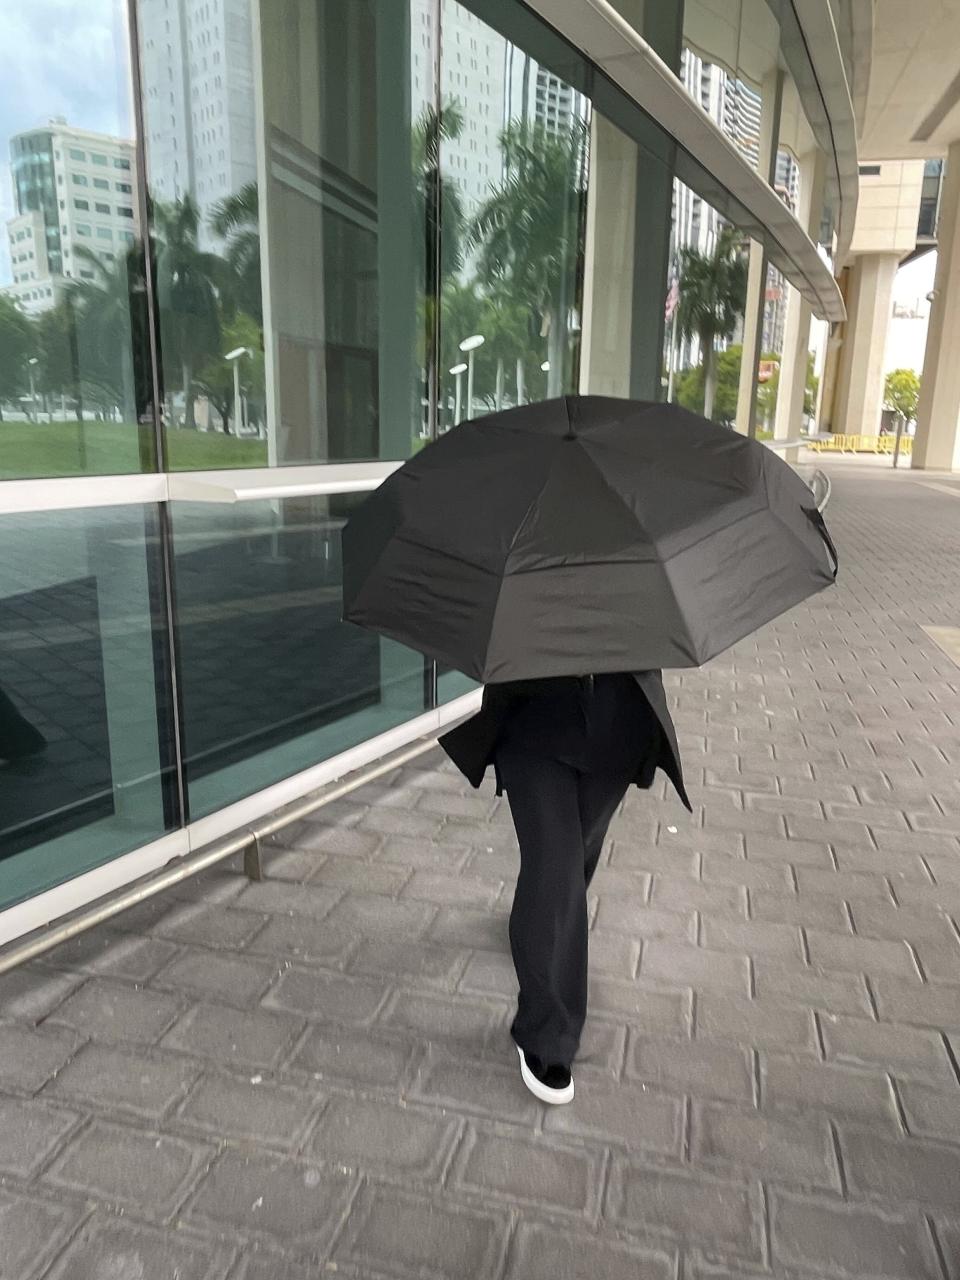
{"x":236,"y":219}
{"x":528,"y":231}
{"x":189,"y":283}
{"x":713,"y":291}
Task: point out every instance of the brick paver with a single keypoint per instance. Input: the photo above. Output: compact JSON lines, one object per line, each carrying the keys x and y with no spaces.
{"x":313,"y":1074}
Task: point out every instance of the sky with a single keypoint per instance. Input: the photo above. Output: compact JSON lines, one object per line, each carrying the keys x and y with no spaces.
{"x":907,"y":336}
{"x":61,"y":58}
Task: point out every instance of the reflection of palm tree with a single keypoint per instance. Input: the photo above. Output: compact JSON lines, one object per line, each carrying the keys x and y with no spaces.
{"x":437,"y":202}
{"x":462,"y":308}
{"x":236,"y":219}
{"x":105,"y":325}
{"x":713,"y":291}
{"x":528,"y":231}
{"x":188,"y":281}
{"x":437,"y":207}
{"x":507,"y":324}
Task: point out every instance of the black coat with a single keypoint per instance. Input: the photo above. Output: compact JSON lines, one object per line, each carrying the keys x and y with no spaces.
{"x":471,"y":745}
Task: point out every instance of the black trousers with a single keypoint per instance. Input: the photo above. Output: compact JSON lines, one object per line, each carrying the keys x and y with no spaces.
{"x":561,"y":816}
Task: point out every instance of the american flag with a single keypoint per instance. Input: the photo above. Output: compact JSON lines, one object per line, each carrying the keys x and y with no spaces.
{"x":673,"y":298}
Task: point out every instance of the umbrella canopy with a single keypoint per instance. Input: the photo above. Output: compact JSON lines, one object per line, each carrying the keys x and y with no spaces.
{"x":585,"y":534}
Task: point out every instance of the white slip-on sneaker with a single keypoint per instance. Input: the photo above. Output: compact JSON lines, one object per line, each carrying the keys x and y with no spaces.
{"x":553,"y":1084}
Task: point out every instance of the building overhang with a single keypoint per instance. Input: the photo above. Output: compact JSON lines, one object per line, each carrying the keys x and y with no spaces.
{"x":624,"y":57}
{"x":912,"y":89}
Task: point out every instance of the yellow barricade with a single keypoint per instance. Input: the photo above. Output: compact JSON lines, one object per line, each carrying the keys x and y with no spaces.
{"x":841,"y":443}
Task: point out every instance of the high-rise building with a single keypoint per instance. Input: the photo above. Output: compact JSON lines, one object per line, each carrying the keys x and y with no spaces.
{"x":197,"y":67}
{"x":73,"y":194}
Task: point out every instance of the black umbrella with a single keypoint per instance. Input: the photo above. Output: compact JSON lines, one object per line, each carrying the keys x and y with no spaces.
{"x":581,"y":535}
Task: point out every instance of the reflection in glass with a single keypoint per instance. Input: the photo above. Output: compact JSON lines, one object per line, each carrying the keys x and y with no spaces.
{"x":271,"y":680}
{"x":287,"y":167}
{"x":74,"y":377}
{"x":85,"y":749}
{"x":706,"y":306}
{"x":722,"y":68}
{"x":930,"y":192}
{"x":514,"y":147}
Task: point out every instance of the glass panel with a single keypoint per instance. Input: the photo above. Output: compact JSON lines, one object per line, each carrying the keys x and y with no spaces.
{"x":706,"y":306}
{"x":709,"y":71}
{"x":929,"y":199}
{"x":271,"y":680}
{"x":776,"y":296}
{"x":627,"y":256}
{"x":289,"y":184}
{"x":514,"y":143}
{"x":85,"y":749}
{"x":729,"y":65}
{"x":665,"y":268}
{"x":74,"y":375}
{"x":452,"y":685}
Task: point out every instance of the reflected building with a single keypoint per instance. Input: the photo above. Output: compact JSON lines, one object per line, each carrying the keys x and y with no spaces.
{"x":73,"y":192}
{"x":735,"y":107}
{"x":495,"y":82}
{"x":476,"y":76}
{"x":198,"y":100}
{"x":786,"y":180}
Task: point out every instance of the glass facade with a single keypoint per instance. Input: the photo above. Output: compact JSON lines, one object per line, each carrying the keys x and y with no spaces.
{"x":271,"y":680}
{"x":75,"y":377}
{"x":747,"y":66}
{"x":257,"y":243}
{"x":86,"y":729}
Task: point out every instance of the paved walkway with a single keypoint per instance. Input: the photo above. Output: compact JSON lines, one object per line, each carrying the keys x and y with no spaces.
{"x":313,"y":1074}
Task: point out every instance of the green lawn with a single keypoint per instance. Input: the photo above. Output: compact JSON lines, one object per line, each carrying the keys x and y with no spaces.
{"x":37,"y":450}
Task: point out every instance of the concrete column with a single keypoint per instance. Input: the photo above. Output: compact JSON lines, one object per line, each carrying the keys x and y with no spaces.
{"x":827,"y":393}
{"x":771,"y":101}
{"x":626,"y":263}
{"x":752,"y":326}
{"x":608,"y":262}
{"x":937,"y":442}
{"x":796,"y":332}
{"x":859,"y":398}
{"x":627,"y":257}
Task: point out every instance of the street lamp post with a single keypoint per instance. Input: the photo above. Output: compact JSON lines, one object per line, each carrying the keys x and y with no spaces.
{"x":458,"y":371}
{"x":31,"y":364}
{"x":469,"y":345}
{"x":234,"y":358}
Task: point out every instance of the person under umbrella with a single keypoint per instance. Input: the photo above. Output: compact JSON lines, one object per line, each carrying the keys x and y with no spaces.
{"x":565,"y":749}
{"x":563,"y":553}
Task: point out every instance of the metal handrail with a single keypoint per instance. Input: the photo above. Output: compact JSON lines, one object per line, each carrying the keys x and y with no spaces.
{"x":821,"y":488}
